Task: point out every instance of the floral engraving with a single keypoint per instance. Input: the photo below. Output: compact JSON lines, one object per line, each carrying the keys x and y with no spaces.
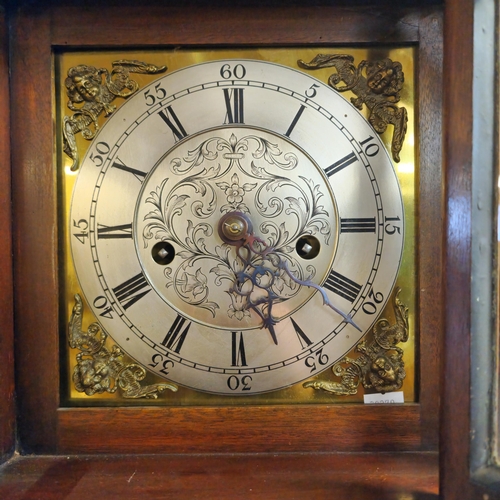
{"x":221,"y":175}
{"x":234,"y":194}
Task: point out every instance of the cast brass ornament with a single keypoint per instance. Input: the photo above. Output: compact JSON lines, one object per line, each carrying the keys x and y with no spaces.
{"x":208,"y":213}
{"x":91,"y":91}
{"x":100,"y":370}
{"x":380,"y":365}
{"x":379,"y":90}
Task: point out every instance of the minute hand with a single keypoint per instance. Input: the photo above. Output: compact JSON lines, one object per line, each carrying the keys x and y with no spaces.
{"x":326,"y":301}
{"x":281,"y":264}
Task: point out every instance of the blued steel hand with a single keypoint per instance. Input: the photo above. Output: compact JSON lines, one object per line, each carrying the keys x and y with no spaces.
{"x":261,"y":277}
{"x":326,"y":301}
{"x":236,"y":229}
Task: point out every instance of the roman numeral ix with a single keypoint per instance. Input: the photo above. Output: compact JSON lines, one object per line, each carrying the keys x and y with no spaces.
{"x":114,"y":232}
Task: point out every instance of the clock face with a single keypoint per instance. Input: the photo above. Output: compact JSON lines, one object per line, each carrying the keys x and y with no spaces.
{"x":283,"y":153}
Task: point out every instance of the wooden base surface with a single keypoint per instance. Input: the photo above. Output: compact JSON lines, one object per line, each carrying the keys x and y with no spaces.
{"x":367,"y":476}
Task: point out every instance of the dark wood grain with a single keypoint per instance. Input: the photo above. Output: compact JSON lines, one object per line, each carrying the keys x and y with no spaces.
{"x":7,"y":415}
{"x":35,"y":230}
{"x":243,"y":429}
{"x":455,"y":425}
{"x":429,"y":231}
{"x":257,"y":23}
{"x":42,"y":428}
{"x":272,"y":477}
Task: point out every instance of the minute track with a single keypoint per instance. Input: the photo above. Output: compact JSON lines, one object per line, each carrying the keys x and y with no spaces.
{"x":262,"y":99}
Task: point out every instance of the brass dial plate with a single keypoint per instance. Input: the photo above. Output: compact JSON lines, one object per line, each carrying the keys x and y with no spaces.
{"x":404,"y":169}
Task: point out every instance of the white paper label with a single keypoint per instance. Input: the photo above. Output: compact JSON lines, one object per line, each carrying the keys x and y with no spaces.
{"x":387,"y":398}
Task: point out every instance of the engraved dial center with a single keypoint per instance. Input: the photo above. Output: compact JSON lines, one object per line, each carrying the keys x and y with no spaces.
{"x":201,"y":202}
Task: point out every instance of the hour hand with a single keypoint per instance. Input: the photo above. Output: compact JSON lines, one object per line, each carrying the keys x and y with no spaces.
{"x":261,"y":278}
{"x":235,"y":228}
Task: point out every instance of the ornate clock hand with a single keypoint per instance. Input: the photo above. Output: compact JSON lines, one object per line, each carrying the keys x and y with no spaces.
{"x":283,"y":265}
{"x":235,"y":228}
{"x":268,"y":320}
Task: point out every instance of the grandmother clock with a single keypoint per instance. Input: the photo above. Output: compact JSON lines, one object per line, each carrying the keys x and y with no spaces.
{"x":240,"y":177}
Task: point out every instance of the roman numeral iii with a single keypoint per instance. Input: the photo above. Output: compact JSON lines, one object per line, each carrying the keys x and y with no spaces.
{"x":359,"y":225}
{"x":342,"y":286}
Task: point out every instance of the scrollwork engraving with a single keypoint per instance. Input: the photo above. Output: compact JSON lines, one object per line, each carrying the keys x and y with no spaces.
{"x":218,"y":176}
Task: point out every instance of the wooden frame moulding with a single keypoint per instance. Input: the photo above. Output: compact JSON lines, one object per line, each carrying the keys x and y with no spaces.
{"x":7,"y":412}
{"x":43,"y":426}
{"x":468,"y":430}
{"x":457,"y":153}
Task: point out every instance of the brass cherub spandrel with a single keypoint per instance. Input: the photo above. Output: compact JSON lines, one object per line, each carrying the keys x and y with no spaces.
{"x":100,"y":369}
{"x":380,"y":365}
{"x":376,"y":84}
{"x":91,"y":91}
